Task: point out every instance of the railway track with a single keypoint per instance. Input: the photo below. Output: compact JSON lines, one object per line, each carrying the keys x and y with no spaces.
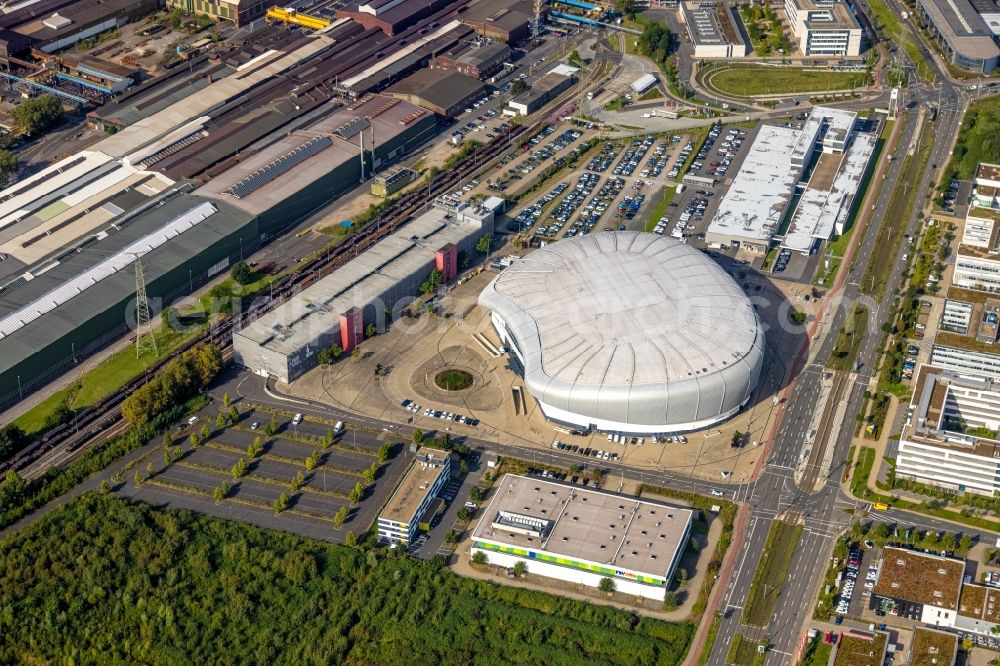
{"x":91,"y":423}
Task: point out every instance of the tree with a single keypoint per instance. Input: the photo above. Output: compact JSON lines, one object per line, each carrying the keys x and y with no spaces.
{"x":476,"y":494}
{"x":431,"y":284}
{"x":242,"y":273}
{"x":607,"y":585}
{"x":383,"y":452}
{"x":36,"y":115}
{"x":356,"y":493}
{"x":297,"y":481}
{"x":281,"y":503}
{"x":479,"y":557}
{"x":254,"y":448}
{"x":176,"y":18}
{"x":312,"y":462}
{"x":239,"y":469}
{"x":176,"y":453}
{"x":12,"y":489}
{"x":166,"y":457}
{"x":369,"y":474}
{"x":12,"y":440}
{"x":682,"y":577}
{"x":226,"y":400}
{"x":520,"y":568}
{"x":483,"y":244}
{"x":371,"y":330}
{"x":670,"y":601}
{"x":168,"y":441}
{"x":965,"y":543}
{"x":418,"y":435}
{"x":221,"y":421}
{"x":350,"y":539}
{"x":8,"y":165}
{"x":330,"y":354}
{"x":463,"y":514}
{"x":519,"y":87}
{"x":340,"y":517}
{"x":220,"y":492}
{"x":356,"y":354}
{"x":205,"y":433}
{"x":137,"y":478}
{"x":234,"y":414}
{"x":149,"y":470}
{"x":451,"y":537}
{"x":194,"y":440}
{"x":271,"y":428}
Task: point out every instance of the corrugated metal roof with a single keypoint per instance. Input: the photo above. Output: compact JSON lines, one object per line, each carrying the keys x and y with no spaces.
{"x":117,"y":262}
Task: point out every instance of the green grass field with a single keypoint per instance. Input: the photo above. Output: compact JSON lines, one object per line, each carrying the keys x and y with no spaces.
{"x":896,"y":216}
{"x":849,"y":341}
{"x":817,"y":653}
{"x":661,"y":207}
{"x":771,"y":573}
{"x":978,"y":141}
{"x":751,"y":81}
{"x":743,"y":652}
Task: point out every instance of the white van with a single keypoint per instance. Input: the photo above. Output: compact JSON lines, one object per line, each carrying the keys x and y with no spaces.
{"x":297,"y":419}
{"x":339,"y":426}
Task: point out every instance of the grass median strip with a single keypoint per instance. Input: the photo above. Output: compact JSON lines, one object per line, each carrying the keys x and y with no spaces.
{"x":752,"y":81}
{"x":771,"y":572}
{"x":897,"y":213}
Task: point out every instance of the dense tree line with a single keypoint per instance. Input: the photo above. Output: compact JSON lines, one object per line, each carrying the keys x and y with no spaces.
{"x":113,"y":581}
{"x":36,"y":115}
{"x":18,"y":498}
{"x":179,"y":380}
{"x":12,"y":440}
{"x":656,"y":42}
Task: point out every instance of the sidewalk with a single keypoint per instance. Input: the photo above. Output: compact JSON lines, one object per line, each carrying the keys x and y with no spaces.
{"x":698,"y":642}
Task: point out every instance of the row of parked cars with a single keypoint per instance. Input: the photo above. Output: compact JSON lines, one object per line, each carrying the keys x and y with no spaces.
{"x":682,"y":157}
{"x":850,"y":576}
{"x":658,"y":160}
{"x":560,"y":476}
{"x":632,"y":157}
{"x":584,"y":451}
{"x":411,"y":406}
{"x":781,"y":263}
{"x":570,"y":203}
{"x":599,"y":202}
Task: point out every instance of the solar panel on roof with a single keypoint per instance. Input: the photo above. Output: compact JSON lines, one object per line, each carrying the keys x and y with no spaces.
{"x":283,"y":164}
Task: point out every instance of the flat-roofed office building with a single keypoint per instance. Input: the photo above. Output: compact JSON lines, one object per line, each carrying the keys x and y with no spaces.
{"x":400,"y":520}
{"x":581,"y":536}
{"x":824,"y":27}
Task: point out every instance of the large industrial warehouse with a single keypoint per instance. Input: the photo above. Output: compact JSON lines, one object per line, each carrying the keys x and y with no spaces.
{"x":581,"y":536}
{"x":192,"y":180}
{"x":629,"y":332}
{"x":285,"y":342}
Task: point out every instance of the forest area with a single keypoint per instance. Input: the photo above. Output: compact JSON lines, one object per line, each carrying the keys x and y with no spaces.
{"x":108,"y":580}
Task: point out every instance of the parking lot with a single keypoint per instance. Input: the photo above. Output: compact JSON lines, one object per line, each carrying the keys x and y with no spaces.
{"x":717,"y":159}
{"x":611,"y":190}
{"x":312,"y":466}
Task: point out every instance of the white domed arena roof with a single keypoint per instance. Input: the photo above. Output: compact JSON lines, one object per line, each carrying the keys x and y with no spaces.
{"x":629,"y":327}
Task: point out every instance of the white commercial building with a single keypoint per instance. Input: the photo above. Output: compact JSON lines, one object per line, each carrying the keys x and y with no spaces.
{"x":713,"y":29}
{"x":752,"y":208}
{"x":952,"y":439}
{"x":964,"y":360}
{"x":957,"y":316}
{"x":824,"y":27}
{"x":825,"y":205}
{"x":978,"y":270}
{"x":986,"y":186}
{"x":400,"y":520}
{"x":628,"y":332}
{"x":581,"y":536}
{"x":643,"y":83}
